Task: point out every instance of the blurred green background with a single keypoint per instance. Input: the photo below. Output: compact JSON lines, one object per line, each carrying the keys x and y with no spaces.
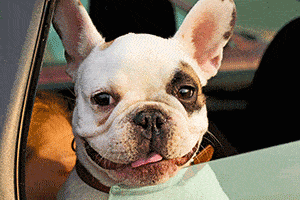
{"x":256,"y":16}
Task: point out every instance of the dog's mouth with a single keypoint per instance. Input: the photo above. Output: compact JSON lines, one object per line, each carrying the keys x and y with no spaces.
{"x":153,"y":158}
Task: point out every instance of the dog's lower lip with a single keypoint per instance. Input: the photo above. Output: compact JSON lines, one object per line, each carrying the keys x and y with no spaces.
{"x":107,"y":164}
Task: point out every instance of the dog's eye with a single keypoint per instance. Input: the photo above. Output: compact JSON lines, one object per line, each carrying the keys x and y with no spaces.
{"x":186,"y":92}
{"x":102,"y":99}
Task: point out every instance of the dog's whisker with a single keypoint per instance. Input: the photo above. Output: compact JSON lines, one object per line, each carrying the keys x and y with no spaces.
{"x":203,"y":147}
{"x":69,"y":98}
{"x":105,"y":154}
{"x":71,"y":91}
{"x":209,"y":141}
{"x":214,"y":137}
{"x":66,"y":97}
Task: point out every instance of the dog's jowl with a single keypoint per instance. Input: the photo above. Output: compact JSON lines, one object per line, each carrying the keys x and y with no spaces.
{"x":140,"y":113}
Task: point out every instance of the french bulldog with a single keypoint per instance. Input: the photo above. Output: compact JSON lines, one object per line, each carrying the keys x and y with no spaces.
{"x":140,"y":113}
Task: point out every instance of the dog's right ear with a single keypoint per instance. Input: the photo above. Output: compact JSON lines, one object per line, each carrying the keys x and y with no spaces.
{"x":77,"y":32}
{"x":205,"y":31}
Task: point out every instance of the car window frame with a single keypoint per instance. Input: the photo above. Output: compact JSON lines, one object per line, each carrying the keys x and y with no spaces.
{"x":21,"y":67}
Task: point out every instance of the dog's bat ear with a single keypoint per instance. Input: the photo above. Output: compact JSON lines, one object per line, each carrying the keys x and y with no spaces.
{"x":77,"y":32}
{"x":206,"y":30}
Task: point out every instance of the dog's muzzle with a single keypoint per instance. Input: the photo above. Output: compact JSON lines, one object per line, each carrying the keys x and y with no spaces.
{"x":107,"y":164}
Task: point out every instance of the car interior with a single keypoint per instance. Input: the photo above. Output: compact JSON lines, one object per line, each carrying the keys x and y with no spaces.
{"x":50,"y":91}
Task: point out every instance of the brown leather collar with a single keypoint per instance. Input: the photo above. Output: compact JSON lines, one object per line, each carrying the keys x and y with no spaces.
{"x":203,"y":156}
{"x":89,"y":179}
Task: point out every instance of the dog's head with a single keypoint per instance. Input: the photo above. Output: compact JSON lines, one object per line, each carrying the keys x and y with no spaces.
{"x":140,"y":112}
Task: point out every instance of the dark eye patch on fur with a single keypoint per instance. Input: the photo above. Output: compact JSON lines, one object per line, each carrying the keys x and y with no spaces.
{"x":185,"y":77}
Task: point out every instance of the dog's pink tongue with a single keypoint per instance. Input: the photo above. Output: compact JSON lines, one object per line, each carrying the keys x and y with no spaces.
{"x":153,"y":157}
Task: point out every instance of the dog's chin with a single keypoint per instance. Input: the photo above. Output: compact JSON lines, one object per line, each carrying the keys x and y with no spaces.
{"x":150,"y":173}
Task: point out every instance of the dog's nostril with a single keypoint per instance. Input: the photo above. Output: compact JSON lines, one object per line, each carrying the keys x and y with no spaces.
{"x":159,"y":122}
{"x":141,"y":120}
{"x":151,"y":121}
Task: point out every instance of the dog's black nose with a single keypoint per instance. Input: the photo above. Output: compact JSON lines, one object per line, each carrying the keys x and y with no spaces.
{"x":151,"y":121}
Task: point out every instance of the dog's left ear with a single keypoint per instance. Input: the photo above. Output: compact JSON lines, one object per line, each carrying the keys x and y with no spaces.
{"x":205,"y":31}
{"x":77,"y":32}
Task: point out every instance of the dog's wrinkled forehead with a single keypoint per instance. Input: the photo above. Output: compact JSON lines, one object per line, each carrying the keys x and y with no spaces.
{"x":135,"y":61}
